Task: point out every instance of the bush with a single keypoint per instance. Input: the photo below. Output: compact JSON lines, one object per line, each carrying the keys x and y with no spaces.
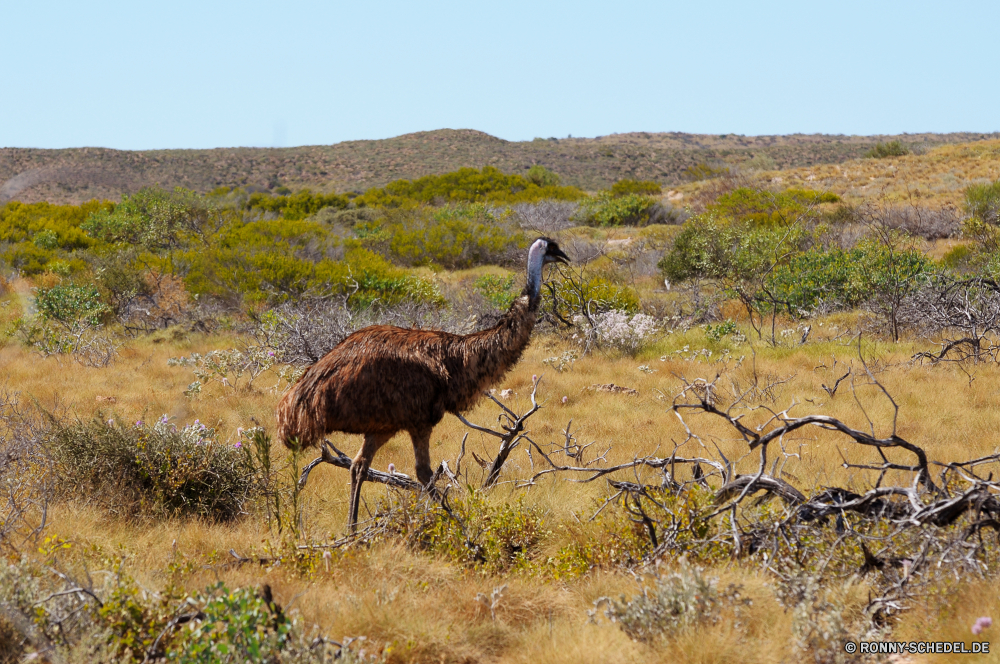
{"x":959,"y":258}
{"x":607,"y":209}
{"x":759,"y":207}
{"x":640,"y":187}
{"x":595,"y":294}
{"x":153,"y":219}
{"x":70,"y":303}
{"x":468,"y":185}
{"x":495,"y":538}
{"x":275,"y":260}
{"x":889,"y":149}
{"x":982,"y":201}
{"x":21,"y":222}
{"x":455,"y":237}
{"x":114,"y":620}
{"x":703,"y":171}
{"x":541,"y":176}
{"x":847,"y":278}
{"x":296,"y":206}
{"x":27,"y":258}
{"x":498,"y":291}
{"x":153,"y":470}
{"x":618,"y":330}
{"x":671,"y":603}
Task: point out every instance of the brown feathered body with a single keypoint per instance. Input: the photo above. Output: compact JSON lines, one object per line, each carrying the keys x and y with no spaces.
{"x":385,"y":379}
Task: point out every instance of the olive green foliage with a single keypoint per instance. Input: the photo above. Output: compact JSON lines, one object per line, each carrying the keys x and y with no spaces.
{"x":116,"y":620}
{"x":493,"y":537}
{"x":238,"y":626}
{"x":608,"y":209}
{"x":466,"y":185}
{"x":743,"y":233}
{"x":153,"y":219}
{"x":541,"y":176}
{"x":498,"y":291}
{"x":455,"y":236}
{"x":889,"y":149}
{"x":959,"y":259}
{"x":39,"y":234}
{"x":712,"y":247}
{"x":982,"y":201}
{"x":297,"y":206}
{"x":273,"y":260}
{"x":703,"y":171}
{"x":594,"y":294}
{"x":135,"y":469}
{"x":672,"y":602}
{"x":723,"y":329}
{"x":70,"y":303}
{"x":846,"y":277}
{"x":760,"y":207}
{"x":982,"y":226}
{"x":265,"y":259}
{"x":641,"y":187}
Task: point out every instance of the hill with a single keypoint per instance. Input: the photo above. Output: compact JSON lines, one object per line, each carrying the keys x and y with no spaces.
{"x":79,"y":174}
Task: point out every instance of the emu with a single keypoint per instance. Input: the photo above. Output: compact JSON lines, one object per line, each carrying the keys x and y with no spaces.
{"x":384,"y":379}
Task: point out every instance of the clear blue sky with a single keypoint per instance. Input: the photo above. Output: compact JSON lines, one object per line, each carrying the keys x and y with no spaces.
{"x":142,"y":75}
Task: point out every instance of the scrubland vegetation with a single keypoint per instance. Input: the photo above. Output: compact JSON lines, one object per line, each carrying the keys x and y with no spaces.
{"x":756,"y":421}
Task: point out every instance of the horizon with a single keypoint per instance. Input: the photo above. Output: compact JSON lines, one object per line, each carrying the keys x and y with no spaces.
{"x":465,"y":129}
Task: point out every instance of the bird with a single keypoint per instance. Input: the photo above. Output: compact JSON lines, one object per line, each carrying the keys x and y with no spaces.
{"x":384,"y":379}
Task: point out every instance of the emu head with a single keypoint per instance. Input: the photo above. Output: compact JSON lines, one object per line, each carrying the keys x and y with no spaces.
{"x":553,"y":254}
{"x":543,"y":250}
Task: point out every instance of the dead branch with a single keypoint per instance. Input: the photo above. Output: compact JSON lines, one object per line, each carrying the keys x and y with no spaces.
{"x":513,"y":432}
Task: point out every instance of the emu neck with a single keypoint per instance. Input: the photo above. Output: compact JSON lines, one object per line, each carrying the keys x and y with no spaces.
{"x":485,"y":357}
{"x":536,"y":258}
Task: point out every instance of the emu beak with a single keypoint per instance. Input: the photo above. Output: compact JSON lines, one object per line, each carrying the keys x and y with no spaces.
{"x":556,"y":255}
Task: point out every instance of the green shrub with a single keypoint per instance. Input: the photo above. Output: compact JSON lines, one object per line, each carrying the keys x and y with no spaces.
{"x":723,"y":329}
{"x":21,"y":222}
{"x":982,"y":201}
{"x":495,"y":538}
{"x":153,"y":218}
{"x":703,"y":171}
{"x":889,"y":149}
{"x":498,"y":291}
{"x":640,"y":187}
{"x":700,"y":250}
{"x":152,"y":470}
{"x":596,"y":294}
{"x":455,"y":236}
{"x":760,"y":207}
{"x":238,"y":626}
{"x":846,"y":277}
{"x":297,"y":206}
{"x":46,"y":239}
{"x":28,"y":258}
{"x":958,"y":258}
{"x":607,"y":209}
{"x":68,"y":303}
{"x":466,"y":185}
{"x":742,"y":233}
{"x":672,"y":602}
{"x":541,"y":176}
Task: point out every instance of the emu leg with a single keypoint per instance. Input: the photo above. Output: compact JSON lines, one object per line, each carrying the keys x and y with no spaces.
{"x":422,"y":454}
{"x":359,"y":470}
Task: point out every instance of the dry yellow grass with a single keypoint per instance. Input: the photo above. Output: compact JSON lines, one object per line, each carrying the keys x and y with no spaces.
{"x":424,"y":609}
{"x":935,"y":178}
